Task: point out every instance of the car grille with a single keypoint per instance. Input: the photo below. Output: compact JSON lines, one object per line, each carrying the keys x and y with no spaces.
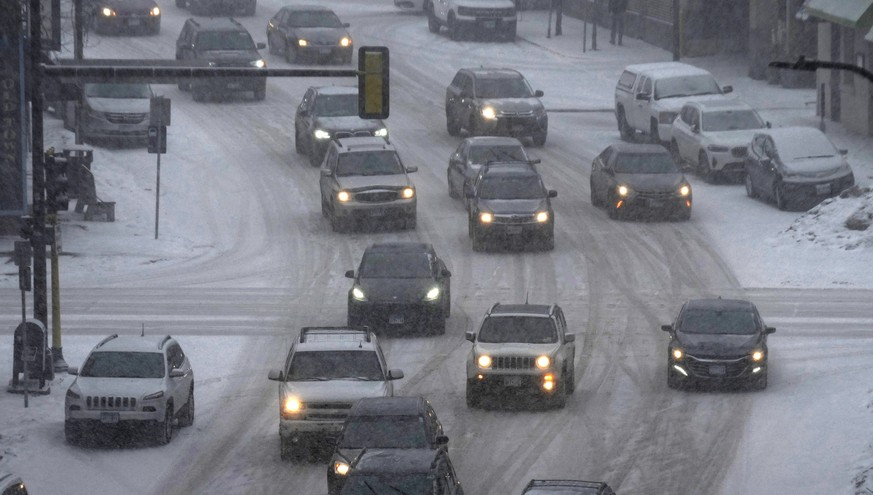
{"x":125,"y":118}
{"x":236,"y":63}
{"x":381,"y":196}
{"x":514,"y":363}
{"x":121,"y":11}
{"x":513,"y":219}
{"x":345,"y":134}
{"x":110,"y":403}
{"x":517,"y":114}
{"x":328,"y":410}
{"x":485,"y":12}
{"x":703,"y":367}
{"x":656,"y":196}
{"x":739,"y":151}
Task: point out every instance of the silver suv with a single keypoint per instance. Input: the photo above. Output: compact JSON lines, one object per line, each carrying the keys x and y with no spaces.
{"x":130,"y":380}
{"x":522,"y":347}
{"x":326,"y":371}
{"x":363,"y":178}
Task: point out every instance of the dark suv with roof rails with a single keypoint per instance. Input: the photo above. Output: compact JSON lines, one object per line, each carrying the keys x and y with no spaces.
{"x":220,"y":43}
{"x":412,"y":471}
{"x":567,"y":487}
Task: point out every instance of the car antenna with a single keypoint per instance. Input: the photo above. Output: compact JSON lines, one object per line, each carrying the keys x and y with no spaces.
{"x":142,"y":333}
{"x":526,"y":297}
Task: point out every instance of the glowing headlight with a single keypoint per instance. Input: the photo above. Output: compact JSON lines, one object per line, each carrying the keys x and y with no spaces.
{"x":107,"y":12}
{"x":677,"y":354}
{"x":685,"y":190}
{"x":293,"y":405}
{"x":484,"y":361}
{"x":432,"y":294}
{"x":542,"y":216}
{"x":408,"y":193}
{"x":302,"y":42}
{"x":346,"y":41}
{"x":489,"y":113}
{"x":486,"y":217}
{"x":343,"y":196}
{"x":623,"y":190}
{"x":340,"y":468}
{"x":543,"y":362}
{"x":321,"y":134}
{"x":155,"y":11}
{"x":260,"y":63}
{"x":383,"y":132}
{"x":358,"y":294}
{"x":757,"y":355}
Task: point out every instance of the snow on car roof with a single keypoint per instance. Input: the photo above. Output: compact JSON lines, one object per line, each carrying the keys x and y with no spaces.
{"x":132,"y":343}
{"x":337,"y":90}
{"x":667,"y":69}
{"x":803,"y":139}
{"x":722,"y":104}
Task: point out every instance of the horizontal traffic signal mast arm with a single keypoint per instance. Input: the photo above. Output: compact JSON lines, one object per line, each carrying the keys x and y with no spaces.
{"x":811,"y":65}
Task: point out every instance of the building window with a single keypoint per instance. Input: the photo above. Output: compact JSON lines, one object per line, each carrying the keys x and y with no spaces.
{"x":848,"y":54}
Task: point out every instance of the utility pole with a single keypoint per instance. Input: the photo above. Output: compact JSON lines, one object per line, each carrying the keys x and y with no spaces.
{"x":40,"y":293}
{"x":677,"y":30}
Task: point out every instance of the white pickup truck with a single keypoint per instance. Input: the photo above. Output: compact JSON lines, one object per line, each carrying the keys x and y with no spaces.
{"x":473,"y":17}
{"x":648,"y":97}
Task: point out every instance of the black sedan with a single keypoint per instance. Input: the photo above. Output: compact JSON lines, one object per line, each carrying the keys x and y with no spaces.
{"x":125,"y":16}
{"x":718,"y":341}
{"x":309,"y":32}
{"x":639,"y":179}
{"x":474,"y":152}
{"x":400,"y":285}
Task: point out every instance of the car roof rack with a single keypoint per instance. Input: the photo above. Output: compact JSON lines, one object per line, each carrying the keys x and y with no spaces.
{"x":336,"y":331}
{"x":107,"y":339}
{"x":164,"y":341}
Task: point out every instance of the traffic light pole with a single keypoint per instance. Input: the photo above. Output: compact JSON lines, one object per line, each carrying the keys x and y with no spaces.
{"x":40,"y":293}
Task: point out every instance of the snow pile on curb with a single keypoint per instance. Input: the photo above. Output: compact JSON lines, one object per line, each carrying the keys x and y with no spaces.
{"x":841,"y":222}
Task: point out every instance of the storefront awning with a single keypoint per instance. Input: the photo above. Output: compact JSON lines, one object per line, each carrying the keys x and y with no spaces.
{"x":849,"y":13}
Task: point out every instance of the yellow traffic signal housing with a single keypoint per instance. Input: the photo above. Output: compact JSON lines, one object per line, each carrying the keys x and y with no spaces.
{"x":373,"y":82}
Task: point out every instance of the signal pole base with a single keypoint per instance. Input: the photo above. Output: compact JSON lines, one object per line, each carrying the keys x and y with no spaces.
{"x":58,"y":357}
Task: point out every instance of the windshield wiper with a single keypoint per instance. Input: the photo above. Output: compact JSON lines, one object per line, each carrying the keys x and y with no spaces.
{"x":358,"y":378}
{"x":812,"y":156}
{"x":312,"y":379}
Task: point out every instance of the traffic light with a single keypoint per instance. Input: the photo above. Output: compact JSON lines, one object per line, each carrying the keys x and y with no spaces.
{"x":373,"y":82}
{"x":56,"y":182}
{"x":25,"y":227}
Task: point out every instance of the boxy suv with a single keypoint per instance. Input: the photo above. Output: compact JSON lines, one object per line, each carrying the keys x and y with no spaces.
{"x":131,"y":380}
{"x":220,"y":43}
{"x":327,"y":370}
{"x":522,"y":347}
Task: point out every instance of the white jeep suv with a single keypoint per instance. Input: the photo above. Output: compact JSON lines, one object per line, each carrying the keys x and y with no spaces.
{"x":131,"y":380}
{"x":472,"y":17}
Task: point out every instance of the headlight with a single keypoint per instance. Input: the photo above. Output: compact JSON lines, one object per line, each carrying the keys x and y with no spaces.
{"x":488,"y":113}
{"x":383,"y":132}
{"x":302,"y":42}
{"x":433,"y":294}
{"x":321,"y":134}
{"x":340,"y":468}
{"x":293,"y":405}
{"x":343,"y":196}
{"x":666,"y":117}
{"x":715,"y":148}
{"x":210,"y":64}
{"x":677,"y":354}
{"x":484,"y":361}
{"x":486,"y":217}
{"x":107,"y":12}
{"x":757,"y":356}
{"x":156,"y":395}
{"x":408,"y":193}
{"x":346,"y":41}
{"x":156,"y":11}
{"x":543,"y":362}
{"x":542,"y":216}
{"x":358,"y":294}
{"x":260,"y":63}
{"x":685,"y":190}
{"x":623,"y":190}
{"x":72,"y":395}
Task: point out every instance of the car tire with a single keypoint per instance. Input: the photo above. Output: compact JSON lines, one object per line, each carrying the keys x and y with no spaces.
{"x":286,"y":451}
{"x":654,"y":135}
{"x":438,"y":324}
{"x":674,"y":152}
{"x":260,"y":91}
{"x":624,"y":129}
{"x":779,"y":196}
{"x":469,"y":227}
{"x":164,"y":429}
{"x":290,"y":53}
{"x":447,"y":309}
{"x":750,"y":186}
{"x":761,"y":382}
{"x":673,"y":379}
{"x":473,"y":396}
{"x":611,"y":210}
{"x":313,"y":159}
{"x":452,"y":126}
{"x":559,"y":397}
{"x":298,"y":144}
{"x":473,"y":127}
{"x":186,"y":415}
{"x":684,"y":215}
{"x":539,"y":138}
{"x":454,"y":28}
{"x":337,"y":224}
{"x":410,"y":222}
{"x":549,"y":241}
{"x":73,"y":432}
{"x":452,"y":193}
{"x":570,"y":386}
{"x":595,"y":201}
{"x":433,"y":24}
{"x":478,"y":240}
{"x":703,"y":169}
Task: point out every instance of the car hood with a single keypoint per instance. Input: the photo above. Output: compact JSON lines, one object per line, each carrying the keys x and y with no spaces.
{"x":127,"y":4}
{"x":335,"y":390}
{"x":489,"y":4}
{"x":509,"y":206}
{"x":515,"y":349}
{"x":651,"y":182}
{"x":119,"y":105}
{"x":119,"y":387}
{"x":731,"y":138}
{"x":320,"y":35}
{"x":816,"y":167}
{"x":239,"y":58}
{"x":399,"y":290}
{"x":363,"y":182}
{"x":675,"y":104}
{"x":347,"y":123}
{"x":513,"y":105}
{"x":718,"y":345}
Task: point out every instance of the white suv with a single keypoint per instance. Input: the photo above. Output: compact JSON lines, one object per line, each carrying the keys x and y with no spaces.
{"x":472,"y":16}
{"x":130,"y":380}
{"x":326,"y":371}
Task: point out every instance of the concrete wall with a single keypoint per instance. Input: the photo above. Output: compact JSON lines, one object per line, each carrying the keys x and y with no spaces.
{"x":848,"y":98}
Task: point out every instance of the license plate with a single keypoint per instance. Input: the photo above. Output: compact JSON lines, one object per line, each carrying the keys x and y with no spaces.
{"x":822,"y":188}
{"x":514,"y":230}
{"x":512,"y":381}
{"x":717,"y":370}
{"x":489,"y":24}
{"x":653,"y":203}
{"x":377,"y":213}
{"x":133,"y":22}
{"x":109,"y":418}
{"x":395,"y":320}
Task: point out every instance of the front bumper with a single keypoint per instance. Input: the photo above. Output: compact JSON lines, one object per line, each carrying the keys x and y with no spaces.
{"x":127,"y":23}
{"x":396,"y":209}
{"x":644,"y":205}
{"x":110,"y":417}
{"x":814,"y":191}
{"x":416,"y":314}
{"x":515,"y":231}
{"x":489,"y":381}
{"x":296,"y":429}
{"x":730,"y":162}
{"x":515,"y":125}
{"x":325,"y":52}
{"x":229,"y":84}
{"x":116,"y":125}
{"x":479,"y":24}
{"x":735,"y":369}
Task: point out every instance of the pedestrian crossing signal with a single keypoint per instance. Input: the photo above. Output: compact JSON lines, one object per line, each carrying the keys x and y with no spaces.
{"x":373,"y":82}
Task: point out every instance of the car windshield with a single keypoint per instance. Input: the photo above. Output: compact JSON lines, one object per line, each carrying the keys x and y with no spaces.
{"x":645,"y":163}
{"x":672,"y":87}
{"x":504,"y":153}
{"x":314,"y":19}
{"x":520,"y":329}
{"x":399,"y":484}
{"x":124,"y":365}
{"x":502,"y":87}
{"x":711,"y":321}
{"x":369,"y":163}
{"x":377,"y":264}
{"x":336,"y":105}
{"x":224,"y":40}
{"x":335,"y":365}
{"x":731,"y":120}
{"x":521,"y":187}
{"x":120,"y":90}
{"x":384,"y":432}
{"x":805,"y":145}
{"x":568,"y":490}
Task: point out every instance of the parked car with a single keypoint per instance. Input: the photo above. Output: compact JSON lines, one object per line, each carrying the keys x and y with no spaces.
{"x":495,"y":102}
{"x":11,"y":484}
{"x":219,"y":7}
{"x":648,"y":97}
{"x":712,"y":137}
{"x":508,"y":203}
{"x":473,"y":152}
{"x":796,"y":166}
{"x":400,"y":285}
{"x":718,"y":341}
{"x":567,"y":487}
{"x":639,"y":179}
{"x":114,"y":112}
{"x":384,"y":423}
{"x":522,"y":347}
{"x":131,"y":381}
{"x":329,"y":113}
{"x":124,"y":16}
{"x":309,"y":32}
{"x":402,"y":471}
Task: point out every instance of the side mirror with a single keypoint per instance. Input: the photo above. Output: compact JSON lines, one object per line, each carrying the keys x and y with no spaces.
{"x":176,"y":373}
{"x":667,"y":328}
{"x":325,"y":172}
{"x":73,"y":370}
{"x":570,"y":337}
{"x":695,"y":128}
{"x":539,"y":93}
{"x":395,"y":374}
{"x":276,"y":375}
{"x":442,"y":440}
{"x":534,"y":161}
{"x":769,"y":330}
{"x":766,"y":161}
{"x":350,"y":274}
{"x":446,"y":272}
{"x":468,"y":193}
{"x":727,"y":89}
{"x":346,"y":24}
{"x":768,"y":124}
{"x":844,"y":152}
{"x":261,"y":45}
{"x":553,"y":193}
{"x":643,"y":96}
{"x":470,"y":336}
{"x":411,"y":169}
